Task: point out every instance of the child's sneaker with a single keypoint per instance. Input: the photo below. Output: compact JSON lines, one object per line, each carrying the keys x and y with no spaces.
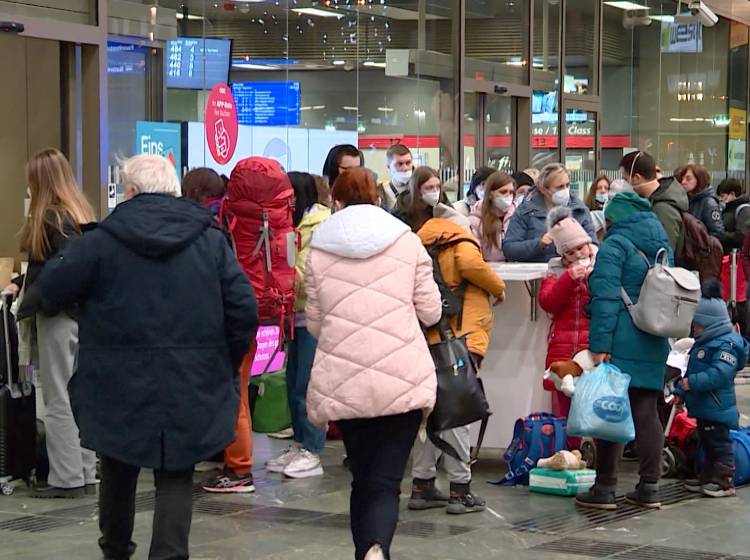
{"x":693,"y":485}
{"x":721,"y":484}
{"x":230,"y":482}
{"x":463,"y":501}
{"x":425,"y":495}
{"x":715,"y":490}
{"x":304,"y":465}
{"x":278,"y":464}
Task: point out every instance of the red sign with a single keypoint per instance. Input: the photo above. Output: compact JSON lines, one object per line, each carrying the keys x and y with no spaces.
{"x":221,"y":123}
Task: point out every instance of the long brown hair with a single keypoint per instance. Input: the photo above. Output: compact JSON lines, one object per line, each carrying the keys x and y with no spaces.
{"x":591,"y":196}
{"x":492,"y":224}
{"x":55,"y":201}
{"x":418,"y":212}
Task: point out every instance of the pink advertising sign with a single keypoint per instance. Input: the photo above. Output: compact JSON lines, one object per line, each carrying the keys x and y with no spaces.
{"x":221,"y":123}
{"x":267,"y":340}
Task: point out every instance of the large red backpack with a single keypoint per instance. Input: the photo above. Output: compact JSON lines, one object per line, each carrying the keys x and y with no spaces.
{"x":260,"y":204}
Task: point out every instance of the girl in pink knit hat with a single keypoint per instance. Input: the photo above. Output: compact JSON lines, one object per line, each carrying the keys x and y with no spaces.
{"x":564,"y":295}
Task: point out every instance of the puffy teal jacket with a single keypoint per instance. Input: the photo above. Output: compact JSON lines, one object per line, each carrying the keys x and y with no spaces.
{"x":711,"y":370}
{"x":618,"y":264}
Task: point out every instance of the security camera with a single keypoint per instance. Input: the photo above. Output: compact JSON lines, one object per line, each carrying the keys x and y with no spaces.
{"x":699,"y":13}
{"x":635,"y":18}
{"x":11,"y":27}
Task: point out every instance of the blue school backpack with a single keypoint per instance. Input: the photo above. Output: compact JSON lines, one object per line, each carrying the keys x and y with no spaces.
{"x":535,"y":437}
{"x":741,"y":444}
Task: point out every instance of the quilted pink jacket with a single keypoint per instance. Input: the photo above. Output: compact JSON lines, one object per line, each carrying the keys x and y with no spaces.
{"x":369,"y":284}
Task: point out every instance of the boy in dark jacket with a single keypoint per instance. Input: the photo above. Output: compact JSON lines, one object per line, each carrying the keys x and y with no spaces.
{"x":708,"y":390}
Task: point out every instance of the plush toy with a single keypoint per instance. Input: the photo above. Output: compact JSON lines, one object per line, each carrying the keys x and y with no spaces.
{"x":563,"y":374}
{"x":563,"y":461}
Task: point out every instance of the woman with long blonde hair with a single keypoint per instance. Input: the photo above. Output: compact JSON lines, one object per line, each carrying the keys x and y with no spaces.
{"x":58,"y":212}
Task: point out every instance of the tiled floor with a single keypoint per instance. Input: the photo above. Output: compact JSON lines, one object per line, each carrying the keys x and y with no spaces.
{"x":307,"y":519}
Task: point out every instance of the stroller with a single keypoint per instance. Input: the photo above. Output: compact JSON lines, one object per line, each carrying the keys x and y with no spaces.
{"x":680,"y":437}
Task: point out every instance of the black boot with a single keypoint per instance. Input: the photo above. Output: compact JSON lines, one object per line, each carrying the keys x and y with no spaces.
{"x":463,"y":501}
{"x":601,"y":496}
{"x":425,"y":495}
{"x":646,"y":495}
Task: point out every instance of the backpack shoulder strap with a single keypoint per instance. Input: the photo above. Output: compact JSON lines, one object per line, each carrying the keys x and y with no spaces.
{"x":739,"y":209}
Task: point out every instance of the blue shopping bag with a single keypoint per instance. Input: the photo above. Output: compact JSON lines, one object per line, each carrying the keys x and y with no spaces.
{"x":601,"y":407}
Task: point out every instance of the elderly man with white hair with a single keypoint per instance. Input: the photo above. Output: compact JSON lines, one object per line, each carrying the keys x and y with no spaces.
{"x":166,"y":316}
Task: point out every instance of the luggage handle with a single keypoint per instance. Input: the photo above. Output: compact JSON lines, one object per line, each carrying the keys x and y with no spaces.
{"x":6,"y":299}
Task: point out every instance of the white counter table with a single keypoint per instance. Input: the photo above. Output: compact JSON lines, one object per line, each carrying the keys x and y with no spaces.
{"x":513,"y":367}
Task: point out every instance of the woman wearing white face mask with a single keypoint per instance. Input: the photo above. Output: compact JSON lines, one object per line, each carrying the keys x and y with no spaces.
{"x":477,"y":188}
{"x":427,"y":200}
{"x":527,"y":239}
{"x":489,"y":217}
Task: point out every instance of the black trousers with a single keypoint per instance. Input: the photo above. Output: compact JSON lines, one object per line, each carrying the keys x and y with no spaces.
{"x":649,"y":439}
{"x":172,"y":514}
{"x":378,"y":449}
{"x":717,"y":443}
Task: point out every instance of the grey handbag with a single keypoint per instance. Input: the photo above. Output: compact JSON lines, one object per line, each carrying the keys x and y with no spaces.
{"x":668,"y":298}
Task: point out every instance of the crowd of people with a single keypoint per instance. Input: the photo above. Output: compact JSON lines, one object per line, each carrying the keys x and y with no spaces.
{"x":118,"y":348}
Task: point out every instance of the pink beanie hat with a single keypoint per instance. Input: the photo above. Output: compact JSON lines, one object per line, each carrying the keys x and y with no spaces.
{"x":565,"y":231}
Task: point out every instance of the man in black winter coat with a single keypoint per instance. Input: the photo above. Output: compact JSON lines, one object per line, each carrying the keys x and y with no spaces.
{"x":165,"y":317}
{"x":735,"y":213}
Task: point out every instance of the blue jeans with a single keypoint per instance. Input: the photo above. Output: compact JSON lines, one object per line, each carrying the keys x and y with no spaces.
{"x":301,"y":356}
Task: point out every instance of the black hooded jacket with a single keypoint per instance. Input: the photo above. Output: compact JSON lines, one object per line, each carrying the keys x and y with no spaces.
{"x":165,"y":317}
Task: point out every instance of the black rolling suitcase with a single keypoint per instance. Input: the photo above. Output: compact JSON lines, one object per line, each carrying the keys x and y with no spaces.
{"x":18,"y":424}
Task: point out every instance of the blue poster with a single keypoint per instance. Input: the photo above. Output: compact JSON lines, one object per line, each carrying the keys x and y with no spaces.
{"x":160,"y":138}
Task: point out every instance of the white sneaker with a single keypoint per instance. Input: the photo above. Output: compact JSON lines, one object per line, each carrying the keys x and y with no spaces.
{"x":304,"y":465}
{"x":375,"y":553}
{"x":282,"y":461}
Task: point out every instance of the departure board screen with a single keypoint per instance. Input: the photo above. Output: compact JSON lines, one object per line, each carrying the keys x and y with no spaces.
{"x":267,"y":103}
{"x":196,"y":63}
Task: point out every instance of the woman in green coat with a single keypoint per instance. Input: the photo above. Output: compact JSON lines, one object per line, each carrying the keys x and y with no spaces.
{"x":634,"y":236}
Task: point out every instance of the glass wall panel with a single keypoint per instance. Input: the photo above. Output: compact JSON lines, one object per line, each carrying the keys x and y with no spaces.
{"x":499,"y":131}
{"x":497,"y":46}
{"x":580,"y":155}
{"x":673,"y":90}
{"x":546,"y":47}
{"x":580,"y":32}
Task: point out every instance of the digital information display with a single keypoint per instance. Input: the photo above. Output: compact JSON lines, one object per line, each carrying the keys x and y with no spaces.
{"x":267,"y":103}
{"x":194,"y":63}
{"x":125,"y":59}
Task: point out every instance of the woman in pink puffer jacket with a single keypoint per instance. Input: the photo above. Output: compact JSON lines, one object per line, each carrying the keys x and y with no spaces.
{"x":369,"y":286}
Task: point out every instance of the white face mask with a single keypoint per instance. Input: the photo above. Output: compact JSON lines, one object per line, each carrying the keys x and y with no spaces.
{"x":584,"y":262}
{"x":431,"y":198}
{"x":401,"y":178}
{"x":502,"y":203}
{"x":479,"y":191}
{"x":561,"y":197}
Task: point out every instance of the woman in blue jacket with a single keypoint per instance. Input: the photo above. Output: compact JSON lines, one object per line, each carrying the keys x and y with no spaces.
{"x":633,"y":238}
{"x":526,"y":239}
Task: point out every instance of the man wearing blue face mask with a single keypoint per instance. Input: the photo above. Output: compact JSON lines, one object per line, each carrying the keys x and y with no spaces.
{"x":401,"y":168}
{"x":526,"y":239}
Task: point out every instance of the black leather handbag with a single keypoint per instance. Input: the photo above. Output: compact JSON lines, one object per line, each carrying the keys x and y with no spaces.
{"x":460,"y":395}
